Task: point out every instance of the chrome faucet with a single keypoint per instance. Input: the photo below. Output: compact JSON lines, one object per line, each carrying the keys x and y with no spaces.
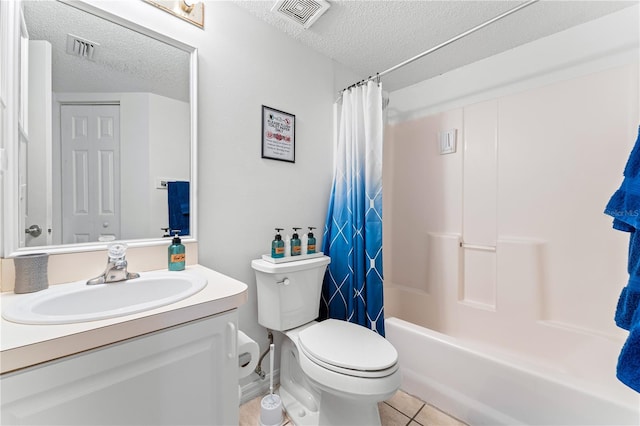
{"x":116,"y":269}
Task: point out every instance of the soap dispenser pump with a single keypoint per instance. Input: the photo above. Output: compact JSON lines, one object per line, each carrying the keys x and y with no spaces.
{"x":176,"y":253}
{"x":311,"y":241}
{"x":296,"y":244}
{"x":277,"y":245}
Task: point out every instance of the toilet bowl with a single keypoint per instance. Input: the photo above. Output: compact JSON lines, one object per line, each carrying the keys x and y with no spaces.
{"x":331,"y":372}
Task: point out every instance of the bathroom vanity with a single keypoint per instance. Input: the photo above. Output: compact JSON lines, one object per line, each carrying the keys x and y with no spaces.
{"x":176,"y":364}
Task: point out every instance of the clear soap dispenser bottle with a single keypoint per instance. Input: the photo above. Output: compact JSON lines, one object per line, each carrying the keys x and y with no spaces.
{"x":296,"y":244}
{"x":176,"y":253}
{"x":277,"y":245}
{"x":311,"y":241}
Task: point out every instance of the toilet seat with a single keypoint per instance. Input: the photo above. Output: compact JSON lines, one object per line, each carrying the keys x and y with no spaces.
{"x":347,"y":348}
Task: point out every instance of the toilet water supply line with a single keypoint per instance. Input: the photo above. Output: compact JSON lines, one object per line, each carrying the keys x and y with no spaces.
{"x":259,"y":371}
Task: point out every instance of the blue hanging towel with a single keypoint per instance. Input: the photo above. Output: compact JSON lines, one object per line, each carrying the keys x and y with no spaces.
{"x":178,"y":198}
{"x":628,"y":369}
{"x":624,"y":207}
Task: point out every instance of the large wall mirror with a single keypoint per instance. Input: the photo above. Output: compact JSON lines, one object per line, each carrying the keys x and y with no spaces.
{"x":107,"y":145}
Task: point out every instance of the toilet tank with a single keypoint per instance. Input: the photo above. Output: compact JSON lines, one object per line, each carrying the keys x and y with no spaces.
{"x":289,"y":292}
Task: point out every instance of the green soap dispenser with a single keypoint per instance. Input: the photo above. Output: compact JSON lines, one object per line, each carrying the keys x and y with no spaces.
{"x":296,"y":244}
{"x":277,"y":245}
{"x":311,"y":241}
{"x":176,"y":253}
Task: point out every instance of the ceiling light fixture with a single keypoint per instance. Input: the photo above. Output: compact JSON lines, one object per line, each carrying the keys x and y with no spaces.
{"x":187,"y":5}
{"x":190,"y":10}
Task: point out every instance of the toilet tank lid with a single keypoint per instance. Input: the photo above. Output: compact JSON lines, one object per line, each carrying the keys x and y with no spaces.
{"x":296,"y":265}
{"x":348,"y":345}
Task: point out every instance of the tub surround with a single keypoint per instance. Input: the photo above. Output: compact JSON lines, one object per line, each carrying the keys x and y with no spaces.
{"x":69,"y":267}
{"x":504,"y":247}
{"x":26,"y":345}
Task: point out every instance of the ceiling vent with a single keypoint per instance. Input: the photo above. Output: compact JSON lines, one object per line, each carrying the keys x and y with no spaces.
{"x":81,"y":47}
{"x":301,"y":12}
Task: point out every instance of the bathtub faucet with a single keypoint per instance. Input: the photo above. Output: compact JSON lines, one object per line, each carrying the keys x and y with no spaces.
{"x":116,"y":269}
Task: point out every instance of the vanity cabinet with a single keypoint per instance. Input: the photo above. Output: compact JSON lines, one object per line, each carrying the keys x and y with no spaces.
{"x":182,"y":375}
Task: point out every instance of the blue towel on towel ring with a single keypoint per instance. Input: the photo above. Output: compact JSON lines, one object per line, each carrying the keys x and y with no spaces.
{"x":178,"y":200}
{"x":624,"y":207}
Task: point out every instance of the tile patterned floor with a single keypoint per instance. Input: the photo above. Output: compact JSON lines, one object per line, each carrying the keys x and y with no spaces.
{"x":401,"y":410}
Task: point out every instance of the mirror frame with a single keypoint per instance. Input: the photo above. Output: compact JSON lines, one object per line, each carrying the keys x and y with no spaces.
{"x":9,"y":173}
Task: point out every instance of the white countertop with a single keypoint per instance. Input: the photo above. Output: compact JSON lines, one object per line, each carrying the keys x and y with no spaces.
{"x":24,"y":345}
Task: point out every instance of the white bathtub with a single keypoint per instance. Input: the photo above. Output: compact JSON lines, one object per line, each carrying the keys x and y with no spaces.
{"x":483,"y":387}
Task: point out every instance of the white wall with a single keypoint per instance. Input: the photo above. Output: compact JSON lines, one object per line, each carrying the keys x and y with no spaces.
{"x":39,"y":187}
{"x":169,"y":156}
{"x":242,"y":196}
{"x":156,"y":130}
{"x":135,"y":162}
{"x":9,"y":96}
{"x":244,"y":63}
{"x":542,"y":142}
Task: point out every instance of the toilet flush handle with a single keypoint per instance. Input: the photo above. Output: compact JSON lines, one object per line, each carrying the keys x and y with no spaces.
{"x":284,"y":282}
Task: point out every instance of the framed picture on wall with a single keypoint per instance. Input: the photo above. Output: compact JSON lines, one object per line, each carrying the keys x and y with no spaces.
{"x":278,"y":135}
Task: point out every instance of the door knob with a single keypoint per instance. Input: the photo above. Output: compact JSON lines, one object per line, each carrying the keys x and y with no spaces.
{"x":33,"y":230}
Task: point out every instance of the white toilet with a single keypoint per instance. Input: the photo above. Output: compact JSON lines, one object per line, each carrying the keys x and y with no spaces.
{"x":331,"y":372}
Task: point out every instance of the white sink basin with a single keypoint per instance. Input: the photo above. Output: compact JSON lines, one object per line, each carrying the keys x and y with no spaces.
{"x":78,"y":302}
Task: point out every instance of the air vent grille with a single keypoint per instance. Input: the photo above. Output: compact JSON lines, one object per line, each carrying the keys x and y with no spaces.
{"x":301,"y":12}
{"x":81,"y":47}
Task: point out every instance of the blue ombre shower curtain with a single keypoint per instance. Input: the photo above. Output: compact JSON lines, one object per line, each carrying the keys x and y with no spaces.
{"x":352,"y":288}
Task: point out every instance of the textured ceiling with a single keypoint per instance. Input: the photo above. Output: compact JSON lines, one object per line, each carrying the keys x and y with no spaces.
{"x":366,"y":36}
{"x":125,"y":61}
{"x":372,"y":36}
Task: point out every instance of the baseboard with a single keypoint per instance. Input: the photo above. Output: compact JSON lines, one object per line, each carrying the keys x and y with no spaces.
{"x":258,"y":387}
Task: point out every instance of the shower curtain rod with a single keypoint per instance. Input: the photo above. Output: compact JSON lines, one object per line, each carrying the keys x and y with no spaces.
{"x":441,"y":45}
